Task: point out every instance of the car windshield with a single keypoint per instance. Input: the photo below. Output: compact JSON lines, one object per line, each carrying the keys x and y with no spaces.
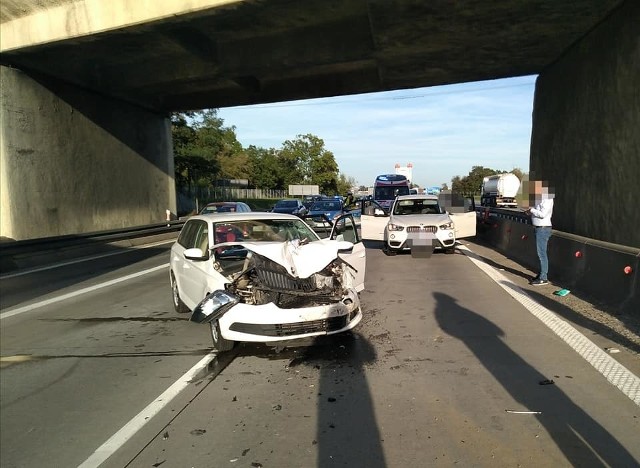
{"x":326,"y":206}
{"x":416,"y":206}
{"x":389,"y":193}
{"x":218,"y":209}
{"x":286,"y":204}
{"x":263,"y":230}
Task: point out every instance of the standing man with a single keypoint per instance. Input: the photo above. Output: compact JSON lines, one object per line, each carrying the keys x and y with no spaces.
{"x":542,"y":200}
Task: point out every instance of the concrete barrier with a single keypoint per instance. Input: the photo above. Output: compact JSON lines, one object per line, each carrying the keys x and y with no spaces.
{"x":601,"y":271}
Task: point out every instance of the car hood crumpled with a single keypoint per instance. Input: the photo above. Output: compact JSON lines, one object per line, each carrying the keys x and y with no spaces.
{"x":418,"y":219}
{"x":301,"y":261}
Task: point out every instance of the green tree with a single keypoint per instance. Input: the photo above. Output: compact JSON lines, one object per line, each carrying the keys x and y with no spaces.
{"x":194,"y":162}
{"x":346,"y":184}
{"x":306,"y":161}
{"x":471,"y":184}
{"x":266,"y":170}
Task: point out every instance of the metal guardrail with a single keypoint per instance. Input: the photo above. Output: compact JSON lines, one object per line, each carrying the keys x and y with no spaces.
{"x":517,"y":215}
{"x":9,"y":248}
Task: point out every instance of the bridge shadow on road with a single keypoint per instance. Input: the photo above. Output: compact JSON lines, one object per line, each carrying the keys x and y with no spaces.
{"x":583,"y":441}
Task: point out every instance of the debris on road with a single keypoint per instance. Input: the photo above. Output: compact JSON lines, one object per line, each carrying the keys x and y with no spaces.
{"x":165,"y":436}
{"x":561,"y":292}
{"x":198,"y":432}
{"x":522,"y":412}
{"x":546,"y":382}
{"x":612,"y":350}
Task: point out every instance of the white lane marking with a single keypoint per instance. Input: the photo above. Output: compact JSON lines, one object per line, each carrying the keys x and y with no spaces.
{"x":611,"y":369}
{"x":36,"y":305}
{"x":143,"y":417}
{"x":80,"y":260}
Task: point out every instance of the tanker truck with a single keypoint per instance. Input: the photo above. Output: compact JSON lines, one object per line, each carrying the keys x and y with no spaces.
{"x":500,"y":190}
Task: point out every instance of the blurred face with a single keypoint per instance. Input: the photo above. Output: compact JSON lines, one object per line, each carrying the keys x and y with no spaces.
{"x":538,"y":188}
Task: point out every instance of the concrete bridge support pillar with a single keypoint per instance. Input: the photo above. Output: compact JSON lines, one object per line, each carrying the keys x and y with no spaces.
{"x":74,"y":162}
{"x":586,"y":131}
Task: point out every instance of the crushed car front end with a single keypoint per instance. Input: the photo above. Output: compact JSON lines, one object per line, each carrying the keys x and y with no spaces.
{"x":267,"y":299}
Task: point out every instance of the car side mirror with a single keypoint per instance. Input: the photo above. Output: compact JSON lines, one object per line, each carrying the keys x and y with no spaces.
{"x":195,"y":254}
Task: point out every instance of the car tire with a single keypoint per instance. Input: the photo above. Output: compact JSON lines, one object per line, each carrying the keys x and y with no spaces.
{"x":219,"y":343}
{"x":450,"y":250}
{"x":389,"y":251}
{"x":178,"y":305}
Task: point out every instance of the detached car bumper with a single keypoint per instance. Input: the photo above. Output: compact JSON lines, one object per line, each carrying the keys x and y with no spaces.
{"x":268,"y":322}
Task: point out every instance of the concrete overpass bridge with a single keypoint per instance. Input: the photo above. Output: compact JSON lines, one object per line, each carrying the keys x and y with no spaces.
{"x":87,"y":86}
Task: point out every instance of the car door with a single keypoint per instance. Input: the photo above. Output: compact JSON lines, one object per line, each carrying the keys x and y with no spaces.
{"x":345,"y":229}
{"x":465,"y":220}
{"x":373,"y":220}
{"x":194,"y":273}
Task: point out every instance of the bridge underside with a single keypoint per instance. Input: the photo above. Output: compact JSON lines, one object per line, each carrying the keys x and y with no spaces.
{"x":249,"y":52}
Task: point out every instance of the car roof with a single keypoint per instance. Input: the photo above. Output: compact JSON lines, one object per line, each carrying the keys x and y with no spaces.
{"x":257,"y":215}
{"x":417,"y":197}
{"x":222,"y":203}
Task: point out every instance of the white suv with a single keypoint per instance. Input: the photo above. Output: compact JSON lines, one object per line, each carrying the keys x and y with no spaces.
{"x":418,"y":222}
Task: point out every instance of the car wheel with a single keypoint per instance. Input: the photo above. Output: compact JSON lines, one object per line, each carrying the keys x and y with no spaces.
{"x":450,"y":250}
{"x":178,"y":305}
{"x":389,"y":251}
{"x":219,"y":343}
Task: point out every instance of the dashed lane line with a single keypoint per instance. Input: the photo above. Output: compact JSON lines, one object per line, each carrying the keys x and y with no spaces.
{"x":143,"y":417}
{"x":53,"y":300}
{"x":612,"y":370}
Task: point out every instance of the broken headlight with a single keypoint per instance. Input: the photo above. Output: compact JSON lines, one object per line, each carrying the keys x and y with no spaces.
{"x":214,"y":306}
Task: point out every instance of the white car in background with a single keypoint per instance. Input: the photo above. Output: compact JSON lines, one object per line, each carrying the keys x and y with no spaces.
{"x":266,"y":277}
{"x":418,"y":221}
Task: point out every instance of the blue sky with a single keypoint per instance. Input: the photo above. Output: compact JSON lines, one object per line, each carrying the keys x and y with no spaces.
{"x":443,"y":130}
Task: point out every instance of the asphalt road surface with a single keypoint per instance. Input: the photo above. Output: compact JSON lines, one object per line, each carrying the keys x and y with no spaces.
{"x":446,"y":368}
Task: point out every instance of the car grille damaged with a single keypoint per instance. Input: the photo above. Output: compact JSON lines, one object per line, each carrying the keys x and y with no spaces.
{"x":290,"y":329}
{"x":264,"y":281}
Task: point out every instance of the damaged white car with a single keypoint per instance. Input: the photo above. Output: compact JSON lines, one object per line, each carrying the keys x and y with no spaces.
{"x":267,"y":277}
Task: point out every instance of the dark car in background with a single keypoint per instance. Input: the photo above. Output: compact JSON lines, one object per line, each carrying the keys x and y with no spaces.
{"x":290,"y":206}
{"x":309,"y":200}
{"x":330,"y":207}
{"x":225,"y":207}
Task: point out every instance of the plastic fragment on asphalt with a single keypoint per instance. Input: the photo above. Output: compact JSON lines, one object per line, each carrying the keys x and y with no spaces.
{"x":522,"y":412}
{"x":612,"y":350}
{"x":561,"y":292}
{"x":546,"y":382}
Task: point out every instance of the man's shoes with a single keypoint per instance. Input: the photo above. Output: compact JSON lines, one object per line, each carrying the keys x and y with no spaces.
{"x":539,"y":282}
{"x":537,"y":277}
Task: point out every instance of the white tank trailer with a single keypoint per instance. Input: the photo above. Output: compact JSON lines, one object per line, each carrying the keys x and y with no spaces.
{"x":500,"y":191}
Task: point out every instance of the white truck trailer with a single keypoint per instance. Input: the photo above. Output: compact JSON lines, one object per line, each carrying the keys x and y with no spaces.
{"x":500,"y":190}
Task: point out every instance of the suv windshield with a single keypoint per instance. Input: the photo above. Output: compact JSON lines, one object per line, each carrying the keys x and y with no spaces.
{"x":263,"y":230}
{"x":389,"y":193}
{"x":416,"y":206}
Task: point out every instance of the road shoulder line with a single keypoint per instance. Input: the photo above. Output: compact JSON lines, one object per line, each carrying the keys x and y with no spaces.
{"x":618,"y":375}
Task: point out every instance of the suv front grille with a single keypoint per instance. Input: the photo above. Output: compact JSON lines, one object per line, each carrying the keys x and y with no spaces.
{"x":432,"y":229}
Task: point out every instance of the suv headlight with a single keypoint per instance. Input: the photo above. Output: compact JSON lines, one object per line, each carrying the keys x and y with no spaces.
{"x":448,"y":225}
{"x":395,"y":227}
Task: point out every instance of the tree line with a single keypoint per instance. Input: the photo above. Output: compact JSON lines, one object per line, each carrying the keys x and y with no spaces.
{"x":471,"y":184}
{"x":206,"y":151}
